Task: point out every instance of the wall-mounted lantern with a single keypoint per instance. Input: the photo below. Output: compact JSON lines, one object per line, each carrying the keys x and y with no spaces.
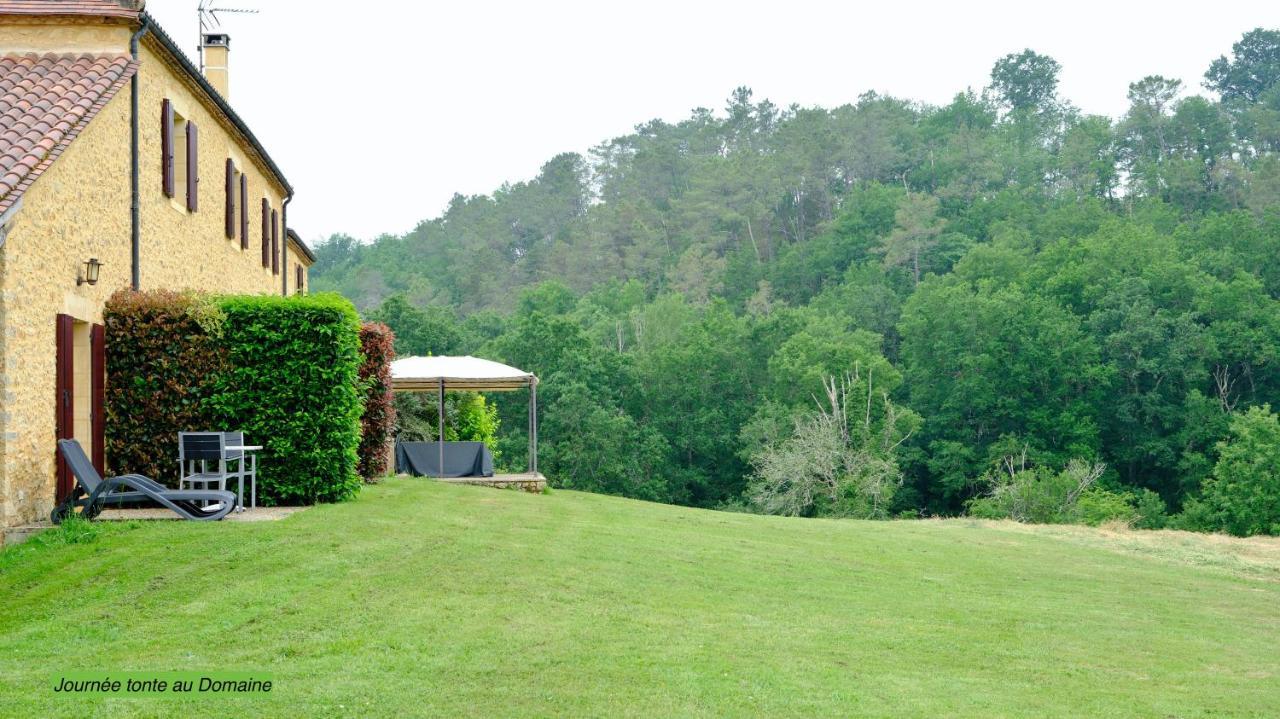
{"x":90,"y":274}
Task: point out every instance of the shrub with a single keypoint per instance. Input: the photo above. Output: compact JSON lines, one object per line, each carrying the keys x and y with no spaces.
{"x":1151,"y":509}
{"x":379,"y":418}
{"x":1196,"y":516}
{"x":163,"y":359}
{"x":1243,"y":495}
{"x":1098,"y":506}
{"x":292,"y":384}
{"x":477,"y":420}
{"x":1041,"y":495}
{"x":468,"y":417}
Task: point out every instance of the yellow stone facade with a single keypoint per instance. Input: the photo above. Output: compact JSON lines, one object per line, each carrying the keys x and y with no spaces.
{"x":79,"y":208}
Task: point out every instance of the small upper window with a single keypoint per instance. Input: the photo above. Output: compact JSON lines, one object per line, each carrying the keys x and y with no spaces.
{"x":179,"y":140}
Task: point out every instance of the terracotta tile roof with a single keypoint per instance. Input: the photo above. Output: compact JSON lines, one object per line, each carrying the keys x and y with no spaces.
{"x":97,"y":8}
{"x":45,"y":101}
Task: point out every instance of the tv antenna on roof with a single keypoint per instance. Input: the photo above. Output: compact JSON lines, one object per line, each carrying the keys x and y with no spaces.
{"x":208,"y":11}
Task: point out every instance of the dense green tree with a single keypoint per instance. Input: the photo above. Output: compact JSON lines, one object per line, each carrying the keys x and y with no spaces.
{"x":802,"y":270}
{"x":916,"y":227}
{"x":1254,"y":67}
{"x":600,"y":448}
{"x":1026,"y":81}
{"x":430,"y":331}
{"x":994,"y":366}
{"x":1243,"y":496}
{"x":696,"y":390}
{"x":827,"y":347}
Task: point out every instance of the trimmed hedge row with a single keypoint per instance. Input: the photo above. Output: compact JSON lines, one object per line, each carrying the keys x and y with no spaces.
{"x":292,"y":386}
{"x":284,"y":371}
{"x":377,"y":348}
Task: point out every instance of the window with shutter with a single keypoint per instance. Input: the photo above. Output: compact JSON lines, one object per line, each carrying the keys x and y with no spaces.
{"x":166,"y":148}
{"x":266,"y":233}
{"x":244,"y":212}
{"x":193,"y":178}
{"x":230,"y":200}
{"x":275,"y":243}
{"x":297,"y":281}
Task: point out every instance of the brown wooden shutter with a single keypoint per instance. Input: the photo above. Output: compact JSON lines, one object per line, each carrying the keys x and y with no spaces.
{"x":275,"y":243}
{"x":297,"y":278}
{"x":64,"y":407}
{"x":97,"y":396}
{"x":266,"y":233}
{"x":244,"y":212}
{"x":231,"y":199}
{"x":193,"y":175}
{"x":166,"y":148}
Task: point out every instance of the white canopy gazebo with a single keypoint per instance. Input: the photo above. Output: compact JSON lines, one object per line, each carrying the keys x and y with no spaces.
{"x":467,"y":374}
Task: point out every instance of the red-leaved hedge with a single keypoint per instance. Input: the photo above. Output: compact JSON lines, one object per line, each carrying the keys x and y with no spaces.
{"x":379,"y":419}
{"x":161,"y":368}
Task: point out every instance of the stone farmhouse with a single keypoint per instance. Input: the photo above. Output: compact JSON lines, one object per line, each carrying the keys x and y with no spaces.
{"x":121,"y":165}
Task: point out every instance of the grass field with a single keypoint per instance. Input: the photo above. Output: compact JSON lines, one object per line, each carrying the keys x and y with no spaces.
{"x":423,"y":599}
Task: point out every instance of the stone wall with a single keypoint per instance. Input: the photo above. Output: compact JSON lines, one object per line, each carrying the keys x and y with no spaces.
{"x":79,"y":208}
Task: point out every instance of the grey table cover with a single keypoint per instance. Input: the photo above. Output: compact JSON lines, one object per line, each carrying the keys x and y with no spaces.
{"x":461,"y":459}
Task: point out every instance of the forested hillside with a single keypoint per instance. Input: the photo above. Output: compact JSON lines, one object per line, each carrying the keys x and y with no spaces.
{"x":1001,"y":305}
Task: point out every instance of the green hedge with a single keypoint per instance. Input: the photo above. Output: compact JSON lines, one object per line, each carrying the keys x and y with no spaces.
{"x":285,"y":375}
{"x":292,"y":386}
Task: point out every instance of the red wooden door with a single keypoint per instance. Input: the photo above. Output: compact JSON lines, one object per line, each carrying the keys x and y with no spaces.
{"x":97,"y":395}
{"x":65,"y":403}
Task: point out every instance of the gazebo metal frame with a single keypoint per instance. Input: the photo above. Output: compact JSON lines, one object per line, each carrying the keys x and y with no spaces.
{"x":466,"y":374}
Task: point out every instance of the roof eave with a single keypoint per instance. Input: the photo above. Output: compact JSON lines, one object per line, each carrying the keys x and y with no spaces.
{"x":302,"y":246}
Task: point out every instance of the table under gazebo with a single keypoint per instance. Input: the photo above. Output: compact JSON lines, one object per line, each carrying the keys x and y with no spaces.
{"x":463,"y":461}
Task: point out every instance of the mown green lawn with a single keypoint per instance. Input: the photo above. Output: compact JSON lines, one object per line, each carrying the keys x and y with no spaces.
{"x":424,"y":599}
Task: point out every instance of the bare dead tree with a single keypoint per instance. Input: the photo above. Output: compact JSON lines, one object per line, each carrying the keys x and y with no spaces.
{"x":1085,"y":474}
{"x":1224,"y":383}
{"x":1012,"y":464}
{"x":637,"y":327}
{"x":829,"y":459}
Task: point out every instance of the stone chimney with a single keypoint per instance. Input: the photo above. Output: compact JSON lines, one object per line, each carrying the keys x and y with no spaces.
{"x":215,"y":47}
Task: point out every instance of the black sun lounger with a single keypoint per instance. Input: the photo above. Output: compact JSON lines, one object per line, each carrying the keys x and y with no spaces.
{"x":92,"y":492}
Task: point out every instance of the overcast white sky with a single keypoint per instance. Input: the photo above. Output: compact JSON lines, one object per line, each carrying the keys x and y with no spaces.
{"x":379,"y":111}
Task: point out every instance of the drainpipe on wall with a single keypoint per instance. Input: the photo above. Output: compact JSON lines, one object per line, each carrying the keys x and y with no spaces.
{"x":135,"y":216}
{"x":284,"y":246}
